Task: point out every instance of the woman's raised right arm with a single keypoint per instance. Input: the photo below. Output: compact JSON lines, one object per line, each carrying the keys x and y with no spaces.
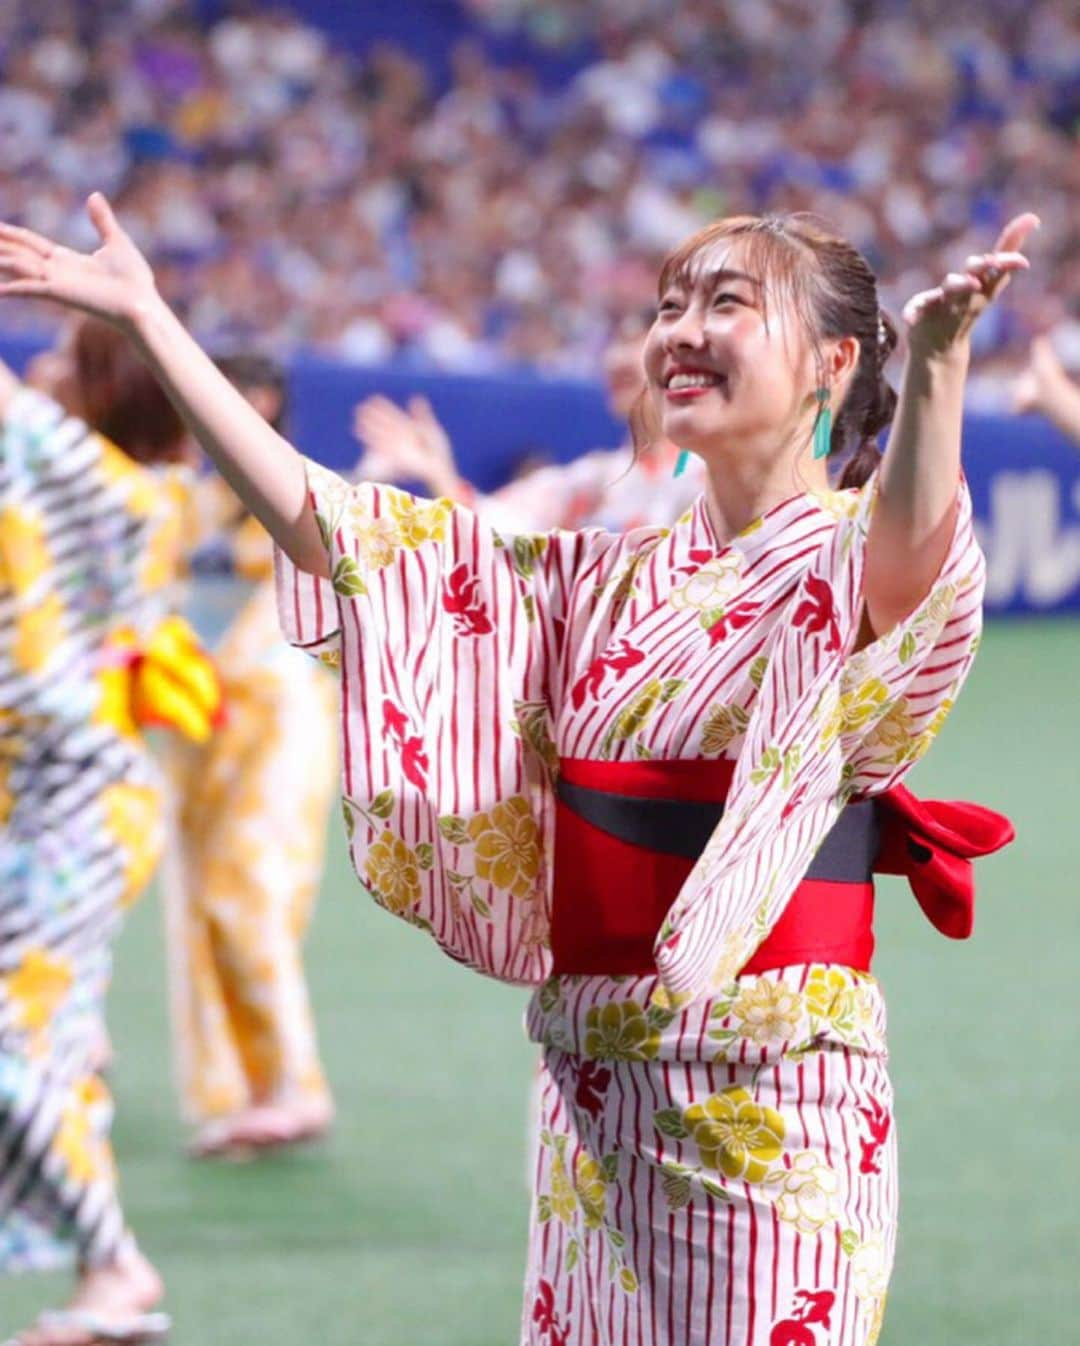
{"x":116,"y":283}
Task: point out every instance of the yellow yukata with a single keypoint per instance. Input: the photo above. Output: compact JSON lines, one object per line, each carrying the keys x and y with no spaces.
{"x":247,"y":857}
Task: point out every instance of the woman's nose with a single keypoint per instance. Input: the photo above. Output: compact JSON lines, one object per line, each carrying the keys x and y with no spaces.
{"x":687,"y":332}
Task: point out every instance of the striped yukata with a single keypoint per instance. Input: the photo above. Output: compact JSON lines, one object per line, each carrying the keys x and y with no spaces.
{"x":716,"y":1158}
{"x":89,"y":542}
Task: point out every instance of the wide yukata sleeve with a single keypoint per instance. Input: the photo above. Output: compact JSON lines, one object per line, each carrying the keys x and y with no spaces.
{"x":448,"y":637}
{"x":830,"y":723}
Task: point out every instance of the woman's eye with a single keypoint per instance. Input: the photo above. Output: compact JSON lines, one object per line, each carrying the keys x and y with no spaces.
{"x":668,"y":306}
{"x":726,"y":297}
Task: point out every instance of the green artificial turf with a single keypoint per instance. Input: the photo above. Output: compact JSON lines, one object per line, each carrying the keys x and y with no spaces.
{"x":408,"y":1228}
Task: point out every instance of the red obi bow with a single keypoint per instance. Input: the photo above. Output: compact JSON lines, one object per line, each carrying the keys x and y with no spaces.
{"x":932,"y":842}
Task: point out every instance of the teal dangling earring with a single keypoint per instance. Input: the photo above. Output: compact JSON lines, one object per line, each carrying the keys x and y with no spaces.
{"x":822,"y":424}
{"x":680,"y":462}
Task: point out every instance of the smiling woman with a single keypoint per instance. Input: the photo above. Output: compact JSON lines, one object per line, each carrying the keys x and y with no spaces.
{"x":652,"y":773}
{"x":749,"y":308}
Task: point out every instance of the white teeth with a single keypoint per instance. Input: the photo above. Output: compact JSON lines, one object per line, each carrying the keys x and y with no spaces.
{"x":693,"y":380}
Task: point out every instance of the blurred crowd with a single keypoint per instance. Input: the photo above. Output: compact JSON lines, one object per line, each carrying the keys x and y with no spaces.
{"x":295,"y":194}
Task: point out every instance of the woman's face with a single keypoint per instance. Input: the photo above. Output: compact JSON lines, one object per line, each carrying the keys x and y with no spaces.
{"x":722,"y":379}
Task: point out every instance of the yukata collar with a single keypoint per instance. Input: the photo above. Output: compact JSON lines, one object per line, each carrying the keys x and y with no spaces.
{"x":768,"y":529}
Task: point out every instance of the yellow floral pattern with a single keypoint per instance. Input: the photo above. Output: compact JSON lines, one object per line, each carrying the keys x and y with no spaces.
{"x":393,"y":873}
{"x":133,"y":818}
{"x":855,"y":709}
{"x":418,"y":521}
{"x":893,"y":735}
{"x":735,"y":1135}
{"x":37,"y":987}
{"x":563,"y":1204}
{"x":140,"y":488}
{"x":635,"y":716}
{"x":620,"y":1031}
{"x":39,"y":631}
{"x":830,"y":994}
{"x":24,"y":553}
{"x":75,"y":1144}
{"x":506,"y":840}
{"x":722,"y":726}
{"x":590,"y":1188}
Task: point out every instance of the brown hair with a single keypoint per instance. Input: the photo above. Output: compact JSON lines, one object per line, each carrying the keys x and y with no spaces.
{"x":120,"y":398}
{"x":249,"y":370}
{"x":834,"y":292}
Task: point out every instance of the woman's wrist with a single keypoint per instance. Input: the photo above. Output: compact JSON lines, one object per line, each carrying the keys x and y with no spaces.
{"x":147,"y":317}
{"x":1053,"y":390}
{"x":954,"y":360}
{"x":450,"y":485}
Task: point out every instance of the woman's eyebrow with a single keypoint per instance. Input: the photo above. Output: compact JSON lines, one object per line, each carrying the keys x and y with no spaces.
{"x":722,"y":274}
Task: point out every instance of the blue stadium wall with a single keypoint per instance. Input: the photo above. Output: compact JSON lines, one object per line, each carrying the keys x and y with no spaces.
{"x":1024,"y":477}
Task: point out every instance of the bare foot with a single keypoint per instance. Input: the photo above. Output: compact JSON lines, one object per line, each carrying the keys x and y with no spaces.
{"x":309,"y":1118}
{"x":266,"y":1126}
{"x":115,"y":1294}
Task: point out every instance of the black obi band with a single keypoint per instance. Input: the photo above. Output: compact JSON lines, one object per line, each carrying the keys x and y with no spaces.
{"x":683,"y":827}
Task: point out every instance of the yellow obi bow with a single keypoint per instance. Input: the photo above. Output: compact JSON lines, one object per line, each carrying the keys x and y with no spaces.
{"x":168,"y":680}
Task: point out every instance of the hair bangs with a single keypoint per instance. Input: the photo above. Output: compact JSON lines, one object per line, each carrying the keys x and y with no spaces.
{"x":771,"y":251}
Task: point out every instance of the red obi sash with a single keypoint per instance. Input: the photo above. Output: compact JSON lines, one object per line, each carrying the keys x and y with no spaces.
{"x":628,"y":834}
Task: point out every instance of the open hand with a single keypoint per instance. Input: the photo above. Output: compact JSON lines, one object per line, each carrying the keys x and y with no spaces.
{"x":404,"y":444}
{"x":940,"y":320}
{"x":112,"y":283}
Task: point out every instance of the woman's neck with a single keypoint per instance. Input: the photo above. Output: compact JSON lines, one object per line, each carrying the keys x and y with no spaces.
{"x":741,"y":491}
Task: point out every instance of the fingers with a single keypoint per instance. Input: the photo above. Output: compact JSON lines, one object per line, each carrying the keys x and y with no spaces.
{"x":1016,"y":232}
{"x":102,"y":217}
{"x":953,"y":294}
{"x":21,"y":265}
{"x":37,"y":289}
{"x":429,"y":425}
{"x":917,"y":306}
{"x":984,"y":274}
{"x":380,"y":417}
{"x":920,"y":304}
{"x":15,"y":236}
{"x":421,"y":409}
{"x":958,"y":283}
{"x":376,"y":402}
{"x":994,"y":269}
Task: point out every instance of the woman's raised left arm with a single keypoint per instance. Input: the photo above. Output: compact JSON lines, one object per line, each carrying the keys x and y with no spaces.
{"x":912,"y":524}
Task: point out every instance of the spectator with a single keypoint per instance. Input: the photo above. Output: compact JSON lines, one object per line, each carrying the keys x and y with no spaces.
{"x":347,"y":204}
